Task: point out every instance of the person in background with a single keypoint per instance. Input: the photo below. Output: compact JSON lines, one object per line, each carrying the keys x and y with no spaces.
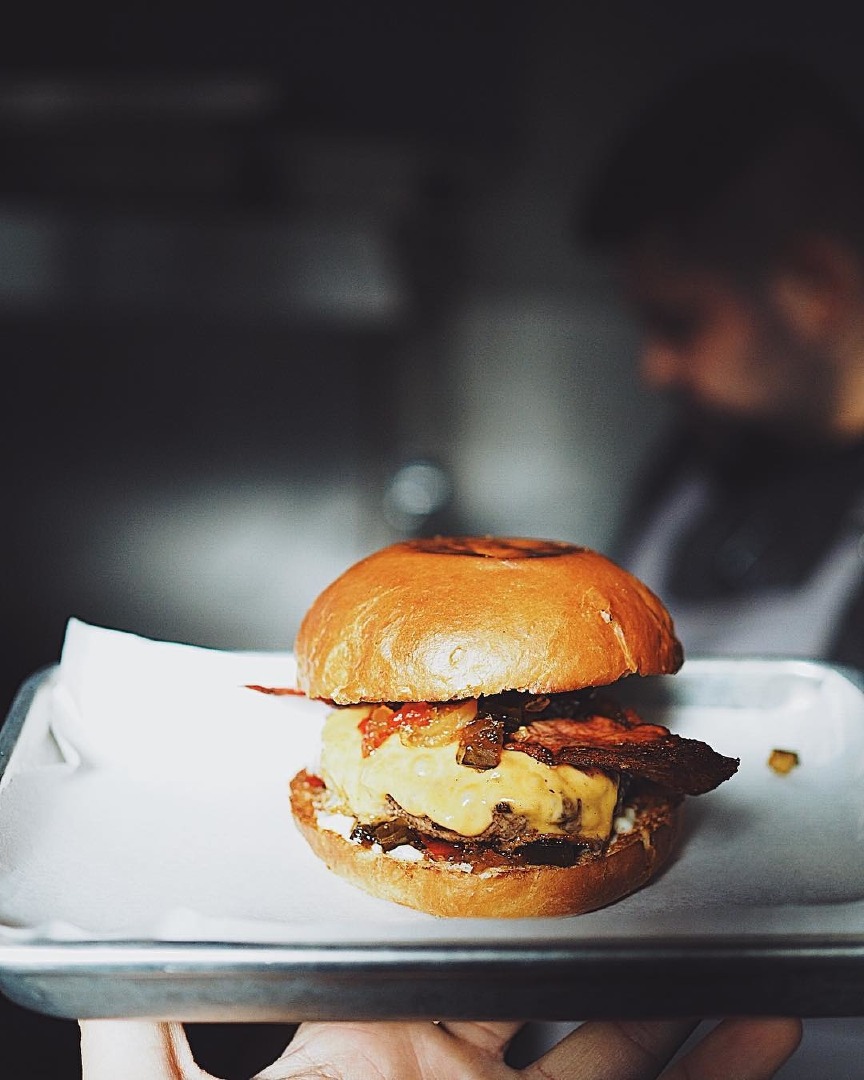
{"x":733,"y":212}
{"x":613,"y":1050}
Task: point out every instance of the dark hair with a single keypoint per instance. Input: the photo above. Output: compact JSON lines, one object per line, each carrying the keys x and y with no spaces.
{"x":730,"y":161}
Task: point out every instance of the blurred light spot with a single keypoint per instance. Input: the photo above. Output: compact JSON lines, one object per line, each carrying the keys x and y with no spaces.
{"x":417,"y":490}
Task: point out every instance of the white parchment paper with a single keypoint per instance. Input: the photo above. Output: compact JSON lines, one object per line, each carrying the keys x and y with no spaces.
{"x":147,"y":798}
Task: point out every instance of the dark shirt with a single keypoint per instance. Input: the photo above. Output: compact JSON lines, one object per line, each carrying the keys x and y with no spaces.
{"x":770,"y":515}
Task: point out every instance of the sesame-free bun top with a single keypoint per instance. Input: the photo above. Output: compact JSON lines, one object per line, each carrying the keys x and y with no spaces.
{"x":457,"y":617}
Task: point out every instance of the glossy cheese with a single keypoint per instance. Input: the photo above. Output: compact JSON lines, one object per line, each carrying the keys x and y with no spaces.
{"x":429,"y":781}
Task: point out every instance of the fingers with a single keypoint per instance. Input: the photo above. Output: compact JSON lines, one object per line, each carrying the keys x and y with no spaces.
{"x":746,"y":1049}
{"x":599,"y":1050}
{"x":613,"y":1050}
{"x":408,"y":1050}
{"x":136,"y":1050}
{"x":374,"y":1050}
{"x":492,"y":1038}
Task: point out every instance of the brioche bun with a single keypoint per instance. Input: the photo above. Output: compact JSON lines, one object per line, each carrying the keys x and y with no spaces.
{"x":440,"y":888}
{"x":450,"y":618}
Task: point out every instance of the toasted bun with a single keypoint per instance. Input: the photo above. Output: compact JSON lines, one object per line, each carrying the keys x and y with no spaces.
{"x":512,"y":892}
{"x":449,"y":618}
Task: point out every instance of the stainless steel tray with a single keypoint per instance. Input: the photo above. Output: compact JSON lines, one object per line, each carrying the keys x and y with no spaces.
{"x":705,"y":939}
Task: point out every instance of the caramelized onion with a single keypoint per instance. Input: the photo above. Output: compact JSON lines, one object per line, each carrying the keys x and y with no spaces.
{"x":481,"y":743}
{"x":444,"y":727}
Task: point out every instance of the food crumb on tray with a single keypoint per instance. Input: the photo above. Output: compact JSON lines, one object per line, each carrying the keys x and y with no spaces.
{"x":783,"y":761}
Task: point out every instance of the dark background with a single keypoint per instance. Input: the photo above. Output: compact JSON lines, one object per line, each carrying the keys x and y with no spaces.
{"x":258,"y":259}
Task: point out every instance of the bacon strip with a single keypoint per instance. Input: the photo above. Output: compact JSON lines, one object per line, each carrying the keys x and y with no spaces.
{"x":628,"y":746}
{"x":277,"y":690}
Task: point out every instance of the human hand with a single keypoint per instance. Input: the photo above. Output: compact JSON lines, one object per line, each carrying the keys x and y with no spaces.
{"x":598,"y":1050}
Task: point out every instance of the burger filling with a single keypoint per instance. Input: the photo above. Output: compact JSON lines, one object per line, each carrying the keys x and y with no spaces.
{"x":447,"y":780}
{"x":550,"y":779}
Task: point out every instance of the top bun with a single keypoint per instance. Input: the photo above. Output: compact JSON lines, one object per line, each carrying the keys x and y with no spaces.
{"x":457,"y":617}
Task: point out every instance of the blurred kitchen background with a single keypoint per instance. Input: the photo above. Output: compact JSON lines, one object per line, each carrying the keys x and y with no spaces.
{"x":281,"y":283}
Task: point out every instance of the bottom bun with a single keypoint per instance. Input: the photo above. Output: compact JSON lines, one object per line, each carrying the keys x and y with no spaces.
{"x":441,"y":888}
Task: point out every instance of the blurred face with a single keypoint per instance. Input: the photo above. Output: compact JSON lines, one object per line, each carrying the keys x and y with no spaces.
{"x":726,"y":351}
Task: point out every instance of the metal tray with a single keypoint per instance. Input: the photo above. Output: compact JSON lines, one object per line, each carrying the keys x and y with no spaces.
{"x":789,"y":941}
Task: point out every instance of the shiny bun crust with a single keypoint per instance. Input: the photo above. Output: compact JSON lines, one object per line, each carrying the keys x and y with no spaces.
{"x":457,"y":617}
{"x":510,"y":892}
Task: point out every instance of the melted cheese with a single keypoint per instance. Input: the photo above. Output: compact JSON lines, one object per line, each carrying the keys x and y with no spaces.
{"x":429,"y":781}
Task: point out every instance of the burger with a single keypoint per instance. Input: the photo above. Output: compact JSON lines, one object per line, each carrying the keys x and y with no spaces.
{"x":476,"y":761}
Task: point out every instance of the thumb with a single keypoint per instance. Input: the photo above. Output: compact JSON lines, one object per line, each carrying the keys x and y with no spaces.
{"x":136,"y":1050}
